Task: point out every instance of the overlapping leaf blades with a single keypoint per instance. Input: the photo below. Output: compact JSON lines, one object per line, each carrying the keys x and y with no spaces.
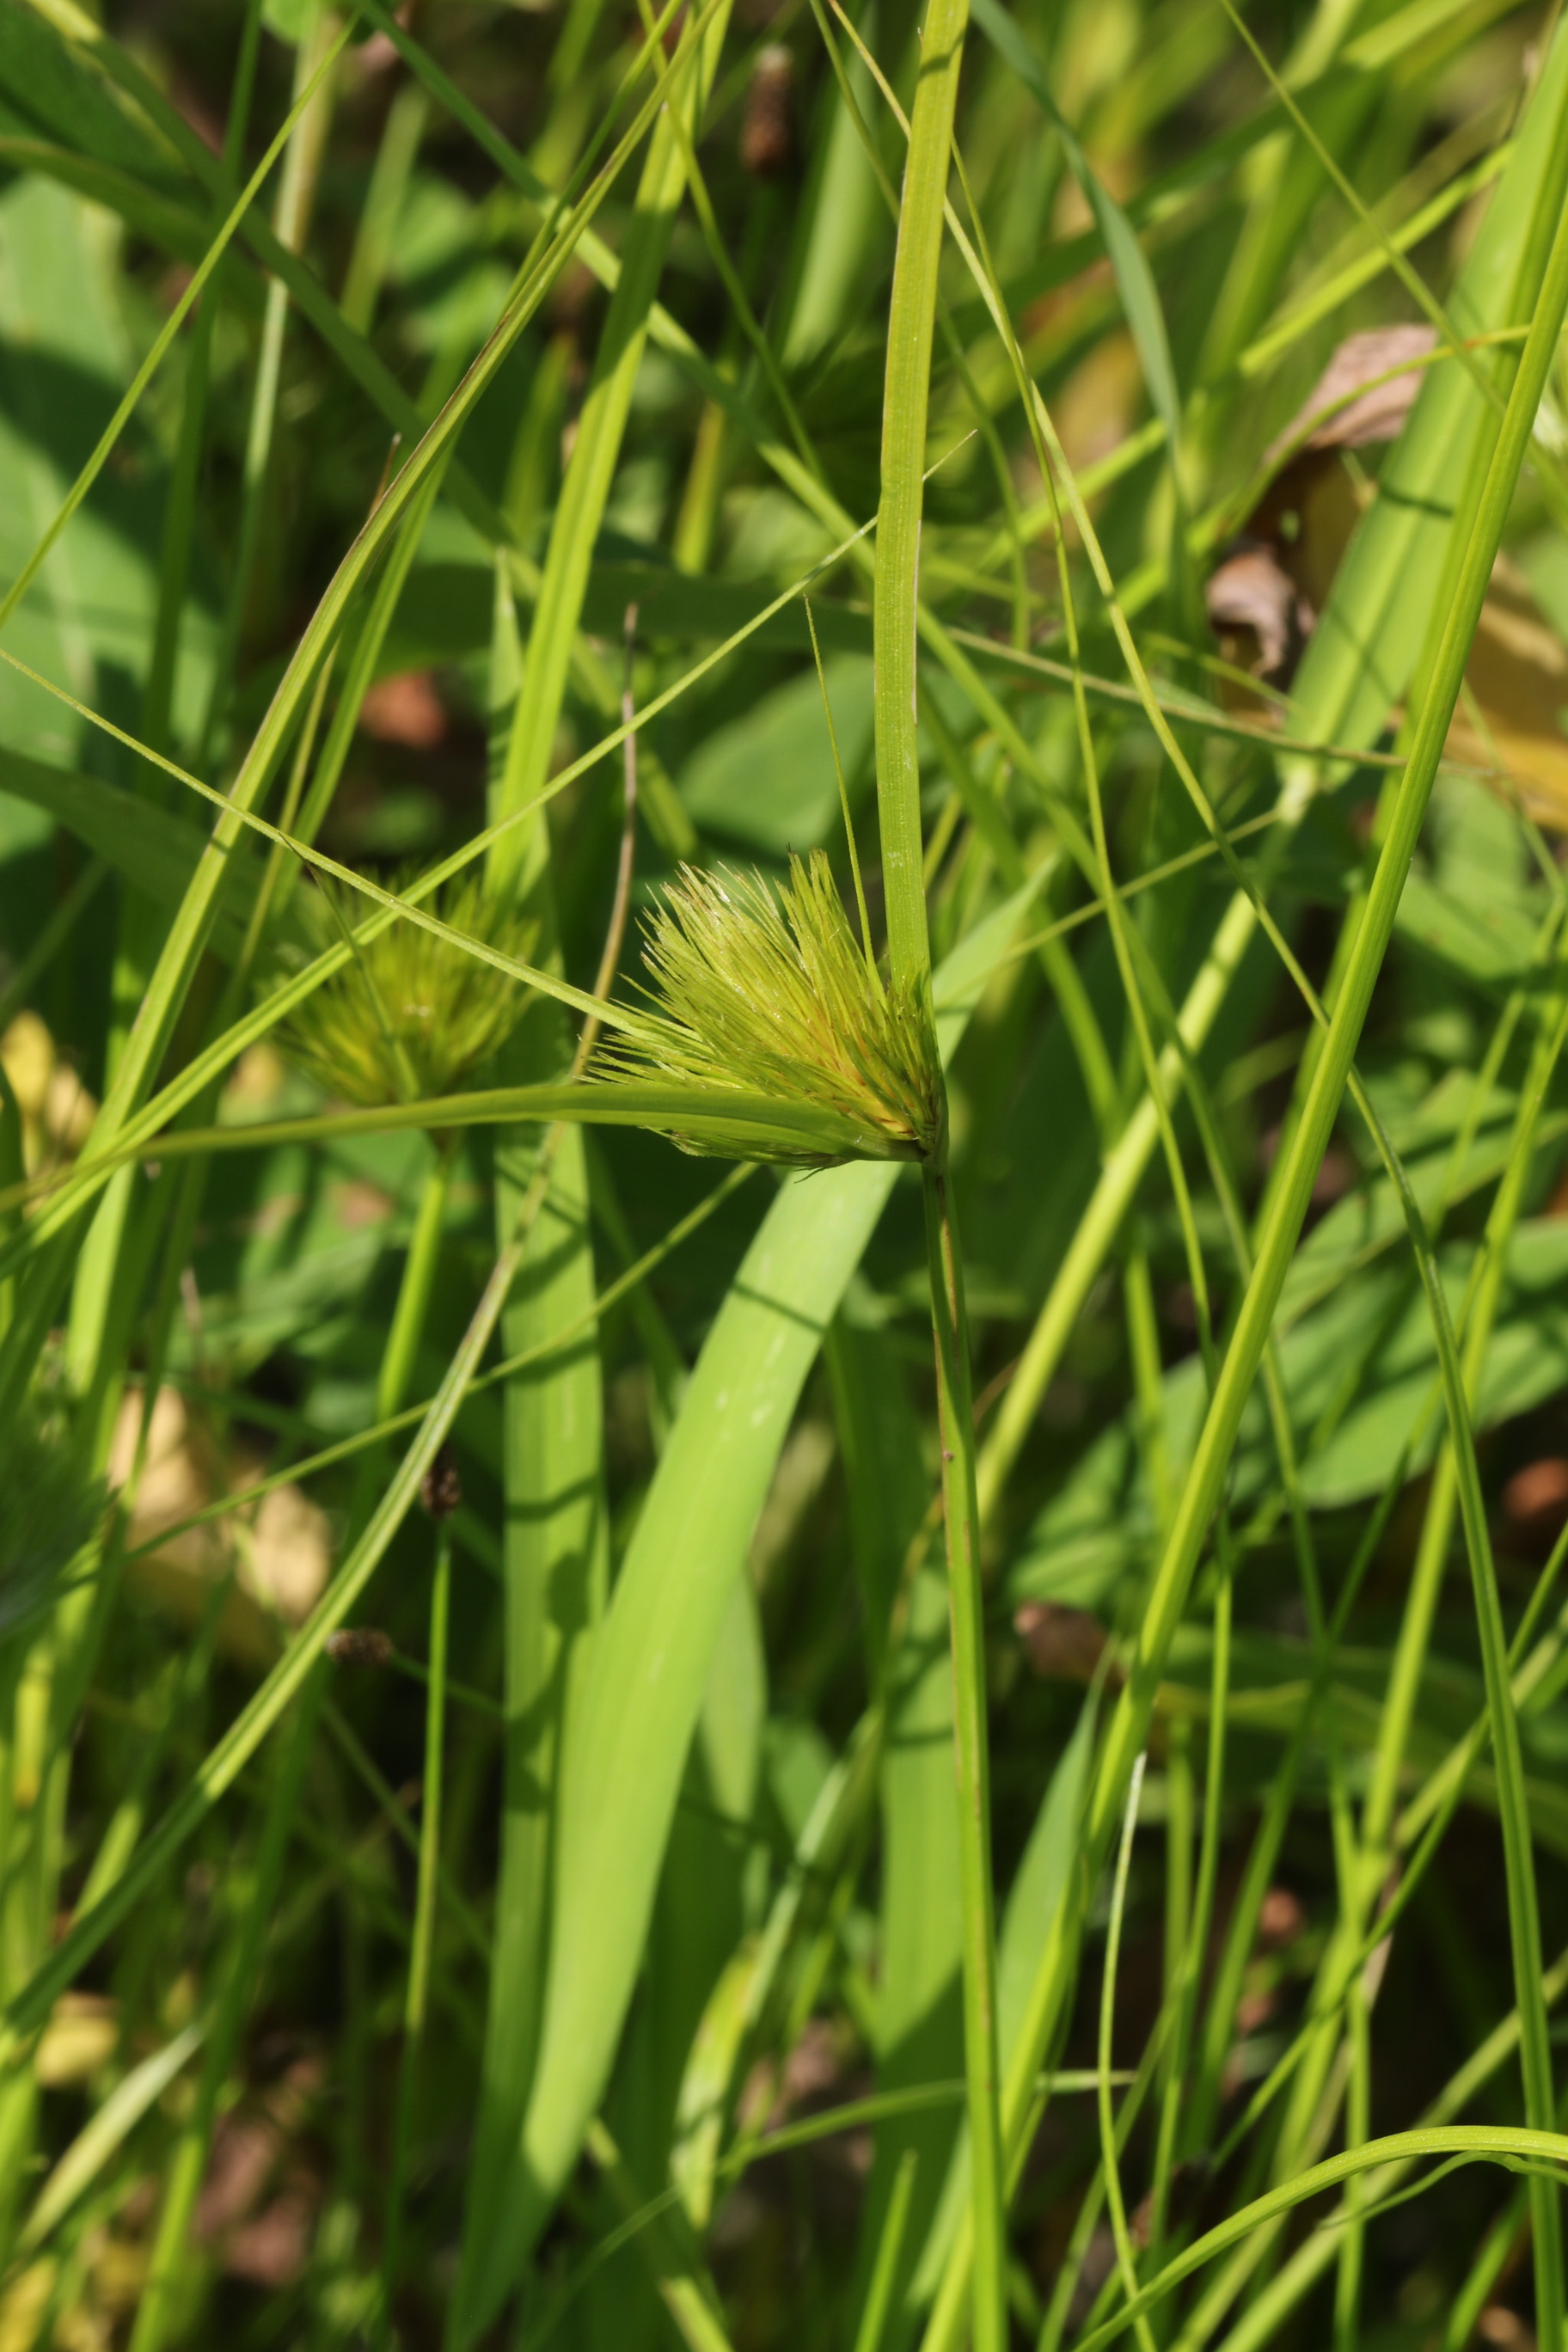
{"x":688,"y":1914}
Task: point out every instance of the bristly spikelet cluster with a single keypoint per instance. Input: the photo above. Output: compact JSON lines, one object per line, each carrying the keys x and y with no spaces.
{"x":411,"y":1017}
{"x":772,"y":996}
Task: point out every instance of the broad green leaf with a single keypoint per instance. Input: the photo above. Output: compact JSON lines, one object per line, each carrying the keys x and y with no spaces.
{"x":49,"y":90}
{"x":99,"y":2141}
{"x":650,"y":1657}
{"x":555,"y":1532}
{"x":704,"y":1876}
{"x":553,"y":1473}
{"x":86,"y":623}
{"x":695,"y":1931}
{"x":1033,"y":1903}
{"x":919,"y":2023}
{"x":643,"y":1690}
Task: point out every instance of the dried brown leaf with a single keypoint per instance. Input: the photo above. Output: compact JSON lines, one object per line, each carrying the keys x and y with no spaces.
{"x":1325,"y":421}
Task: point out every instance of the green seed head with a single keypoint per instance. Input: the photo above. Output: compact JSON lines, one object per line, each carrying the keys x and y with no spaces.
{"x":411,"y":1016}
{"x":770,"y":996}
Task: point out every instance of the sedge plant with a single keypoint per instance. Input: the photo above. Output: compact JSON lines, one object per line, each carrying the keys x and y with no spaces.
{"x":1023,"y":558}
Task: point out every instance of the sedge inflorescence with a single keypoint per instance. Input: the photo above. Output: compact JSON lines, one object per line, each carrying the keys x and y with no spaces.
{"x":770,"y":995}
{"x":412,"y":1015}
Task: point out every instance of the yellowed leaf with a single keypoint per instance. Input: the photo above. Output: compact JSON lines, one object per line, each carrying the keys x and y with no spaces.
{"x":81,"y":2037}
{"x":57,"y":1109}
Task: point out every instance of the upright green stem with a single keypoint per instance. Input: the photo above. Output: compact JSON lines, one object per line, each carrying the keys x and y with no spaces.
{"x":1178,"y":2088}
{"x":1126,"y":2259}
{"x":418,"y":1282}
{"x":906,"y":397}
{"x":408,"y":1318}
{"x":879,"y":2295}
{"x":911,"y":328}
{"x":1358,"y":2127}
{"x":956,"y":1420}
{"x":417,"y":2000}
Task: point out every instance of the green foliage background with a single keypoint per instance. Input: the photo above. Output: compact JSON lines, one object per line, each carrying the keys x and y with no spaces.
{"x":480,"y":1672}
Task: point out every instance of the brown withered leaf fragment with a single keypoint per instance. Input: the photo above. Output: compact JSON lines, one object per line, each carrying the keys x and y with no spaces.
{"x":1063,"y":1645}
{"x":767,"y":133}
{"x":1252,"y":591}
{"x":1277,"y":579}
{"x":1377,"y":413}
{"x":1518,"y":674}
{"x":1509,"y":724}
{"x":358,"y":1645}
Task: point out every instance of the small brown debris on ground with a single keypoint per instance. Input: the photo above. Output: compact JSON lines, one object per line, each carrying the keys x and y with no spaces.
{"x":1281,"y":1918}
{"x":359,"y":1646}
{"x":1252,"y":591}
{"x":1500,"y":2325}
{"x":441,"y":1489}
{"x":1535,"y":1504}
{"x":405,"y":709}
{"x":767,"y":133}
{"x":1063,"y":1645}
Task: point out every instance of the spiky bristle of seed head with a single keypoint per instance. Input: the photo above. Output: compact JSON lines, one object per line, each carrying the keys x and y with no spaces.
{"x":770,"y":995}
{"x":412,"y":1015}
